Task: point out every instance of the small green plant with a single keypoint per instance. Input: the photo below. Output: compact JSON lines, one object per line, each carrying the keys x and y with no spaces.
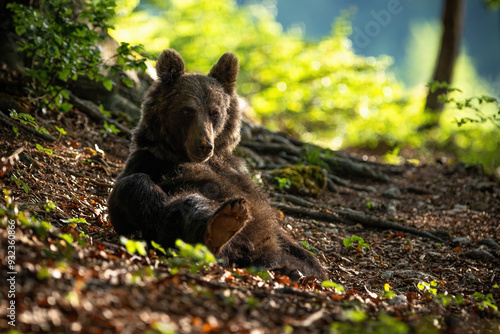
{"x":313,"y":157}
{"x":44,"y":150}
{"x":111,"y":128}
{"x":431,"y":289}
{"x":329,"y":284}
{"x":49,"y":206}
{"x":195,"y":257}
{"x":62,"y":45}
{"x":485,"y":301}
{"x":17,"y":178}
{"x":261,"y":272}
{"x":134,"y":246}
{"x":360,"y":323}
{"x":158,"y":247}
{"x":26,"y":119}
{"x":392,"y":157}
{"x":387,"y":293}
{"x":361,"y":244}
{"x":61,"y":131}
{"x":11,"y":212}
{"x":74,"y":221}
{"x":306,"y":245}
{"x":283,"y":183}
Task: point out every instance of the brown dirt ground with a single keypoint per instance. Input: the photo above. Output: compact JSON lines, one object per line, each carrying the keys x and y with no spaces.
{"x":98,"y":287}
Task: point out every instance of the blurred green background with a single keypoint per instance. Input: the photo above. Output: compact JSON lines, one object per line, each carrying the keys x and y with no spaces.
{"x":307,"y":70}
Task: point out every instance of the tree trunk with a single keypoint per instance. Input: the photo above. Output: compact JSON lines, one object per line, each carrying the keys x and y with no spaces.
{"x":453,"y":20}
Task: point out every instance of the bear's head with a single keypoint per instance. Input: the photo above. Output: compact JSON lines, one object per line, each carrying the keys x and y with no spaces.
{"x":189,"y":116}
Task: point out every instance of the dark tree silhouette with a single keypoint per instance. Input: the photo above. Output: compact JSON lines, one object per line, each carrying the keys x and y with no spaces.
{"x":453,"y":21}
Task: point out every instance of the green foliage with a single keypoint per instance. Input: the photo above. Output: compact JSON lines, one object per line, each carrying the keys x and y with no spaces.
{"x":195,"y":257}
{"x":477,"y":137}
{"x":360,"y":323}
{"x":388,"y":293}
{"x":320,"y":90}
{"x":348,"y":242}
{"x":44,"y":150}
{"x":282,"y":183}
{"x":485,"y":301}
{"x":314,"y":157}
{"x":431,"y":291}
{"x":111,"y":128}
{"x":158,"y":247}
{"x":308,"y":88}
{"x":49,"y":206}
{"x":61,"y":131}
{"x":261,"y":272}
{"x":337,"y":287}
{"x":306,"y":245}
{"x":61,"y":44}
{"x":17,"y":178}
{"x":75,"y":221}
{"x":27,"y":120}
{"x":472,"y":105}
{"x":11,"y":212}
{"x":134,"y":246}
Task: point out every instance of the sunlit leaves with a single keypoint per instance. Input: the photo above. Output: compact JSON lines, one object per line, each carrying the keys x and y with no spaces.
{"x":134,"y":246}
{"x":329,"y":284}
{"x":361,"y":244}
{"x":63,"y":45}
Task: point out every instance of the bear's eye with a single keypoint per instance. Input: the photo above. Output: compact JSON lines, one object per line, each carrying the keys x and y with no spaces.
{"x":188,"y":111}
{"x":214,"y":114}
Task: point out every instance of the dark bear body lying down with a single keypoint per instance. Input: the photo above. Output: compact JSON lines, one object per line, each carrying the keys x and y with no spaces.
{"x":181,"y":179}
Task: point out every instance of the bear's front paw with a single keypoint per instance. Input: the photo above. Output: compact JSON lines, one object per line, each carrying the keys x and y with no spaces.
{"x":226,"y":222}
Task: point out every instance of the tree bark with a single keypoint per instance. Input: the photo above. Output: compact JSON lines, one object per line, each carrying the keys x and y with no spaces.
{"x":453,"y":21}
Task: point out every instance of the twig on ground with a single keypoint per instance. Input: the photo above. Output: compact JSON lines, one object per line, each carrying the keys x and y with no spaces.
{"x":91,"y":180}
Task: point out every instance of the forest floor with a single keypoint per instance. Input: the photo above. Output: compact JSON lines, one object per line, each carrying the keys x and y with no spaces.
{"x":77,"y":276}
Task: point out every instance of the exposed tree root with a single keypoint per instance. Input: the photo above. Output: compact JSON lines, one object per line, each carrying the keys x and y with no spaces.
{"x":31,"y":131}
{"x":89,"y":108}
{"x":351,"y":217}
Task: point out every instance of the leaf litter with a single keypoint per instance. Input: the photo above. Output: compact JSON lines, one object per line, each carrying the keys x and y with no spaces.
{"x":78,"y":276}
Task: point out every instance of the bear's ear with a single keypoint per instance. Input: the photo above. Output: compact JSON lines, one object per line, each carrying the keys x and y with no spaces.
{"x":226,"y":71}
{"x":169,"y":66}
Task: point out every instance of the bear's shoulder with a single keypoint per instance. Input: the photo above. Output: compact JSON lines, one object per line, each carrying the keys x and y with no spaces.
{"x":145,"y":162}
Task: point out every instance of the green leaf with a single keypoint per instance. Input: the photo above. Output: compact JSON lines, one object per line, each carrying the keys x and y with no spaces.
{"x":61,"y":130}
{"x":44,"y":150}
{"x":108,"y":84}
{"x":66,"y":237}
{"x":65,"y":107}
{"x":158,"y":247}
{"x":329,"y":284}
{"x":75,"y":221}
{"x":347,"y":242}
{"x":128,"y":82}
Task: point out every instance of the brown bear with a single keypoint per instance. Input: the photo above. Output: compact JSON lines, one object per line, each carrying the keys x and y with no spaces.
{"x":181,"y":179}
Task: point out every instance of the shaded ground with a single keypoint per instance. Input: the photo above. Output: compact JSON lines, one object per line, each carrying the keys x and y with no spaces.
{"x":78,"y":277}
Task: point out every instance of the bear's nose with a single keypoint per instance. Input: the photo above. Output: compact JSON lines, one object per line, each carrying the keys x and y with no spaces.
{"x":206,"y":145}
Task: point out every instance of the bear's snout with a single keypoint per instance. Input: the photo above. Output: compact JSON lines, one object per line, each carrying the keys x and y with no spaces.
{"x":206,"y":146}
{"x":200,"y":150}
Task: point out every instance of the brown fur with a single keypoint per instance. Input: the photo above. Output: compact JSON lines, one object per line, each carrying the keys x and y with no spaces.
{"x":182,"y":180}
